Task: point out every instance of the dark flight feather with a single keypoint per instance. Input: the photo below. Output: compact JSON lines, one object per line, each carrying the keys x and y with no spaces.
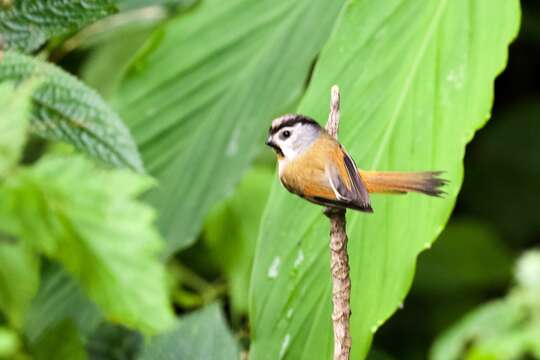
{"x":355,"y":197}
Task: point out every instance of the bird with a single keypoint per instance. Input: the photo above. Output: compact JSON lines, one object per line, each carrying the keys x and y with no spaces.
{"x":315,"y":166}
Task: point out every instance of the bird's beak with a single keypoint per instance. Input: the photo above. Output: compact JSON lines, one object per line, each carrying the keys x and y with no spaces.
{"x":273,"y":145}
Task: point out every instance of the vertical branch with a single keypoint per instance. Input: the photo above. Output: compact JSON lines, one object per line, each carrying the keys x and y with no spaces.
{"x":332,"y":125}
{"x":341,"y":282}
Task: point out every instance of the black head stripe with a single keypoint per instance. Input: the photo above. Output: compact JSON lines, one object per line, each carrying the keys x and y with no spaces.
{"x":290,"y":120}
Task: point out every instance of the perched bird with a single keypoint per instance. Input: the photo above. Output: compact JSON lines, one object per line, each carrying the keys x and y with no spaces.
{"x":313,"y":165}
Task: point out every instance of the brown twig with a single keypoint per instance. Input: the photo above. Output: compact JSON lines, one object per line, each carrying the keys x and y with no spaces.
{"x":341,"y":282}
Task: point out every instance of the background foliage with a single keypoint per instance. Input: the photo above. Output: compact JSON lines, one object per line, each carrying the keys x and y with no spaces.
{"x":140,"y":215}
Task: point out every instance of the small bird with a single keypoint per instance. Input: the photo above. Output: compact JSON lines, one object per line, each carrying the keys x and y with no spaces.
{"x":313,"y":165}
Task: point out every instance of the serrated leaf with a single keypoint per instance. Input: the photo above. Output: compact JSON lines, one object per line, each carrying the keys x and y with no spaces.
{"x":416,"y":80}
{"x":19,"y":280}
{"x":199,"y":97}
{"x":27,"y":24}
{"x":202,"y":335}
{"x":14,"y":115}
{"x":66,"y":109}
{"x":88,"y":220}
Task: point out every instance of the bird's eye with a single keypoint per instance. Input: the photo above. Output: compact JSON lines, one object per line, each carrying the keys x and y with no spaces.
{"x":286,"y":134}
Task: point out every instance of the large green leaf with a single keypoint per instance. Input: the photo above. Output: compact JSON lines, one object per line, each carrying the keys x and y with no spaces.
{"x":199,"y":96}
{"x":66,"y":109}
{"x":89,"y":220}
{"x":202,"y":335}
{"x":26,"y":24}
{"x":417,"y":81}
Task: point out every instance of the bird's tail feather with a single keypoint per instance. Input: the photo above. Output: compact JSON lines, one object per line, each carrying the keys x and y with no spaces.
{"x":428,"y":182}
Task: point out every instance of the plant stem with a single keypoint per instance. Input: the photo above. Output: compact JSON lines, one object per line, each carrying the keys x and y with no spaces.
{"x":341,"y":282}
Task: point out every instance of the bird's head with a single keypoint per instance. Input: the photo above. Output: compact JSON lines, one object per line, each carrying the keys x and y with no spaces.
{"x":291,"y":135}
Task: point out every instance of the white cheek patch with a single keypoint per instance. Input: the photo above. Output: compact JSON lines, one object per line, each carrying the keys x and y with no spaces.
{"x":290,"y":151}
{"x":302,"y":136}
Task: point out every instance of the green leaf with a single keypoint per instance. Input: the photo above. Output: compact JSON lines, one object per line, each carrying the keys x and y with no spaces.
{"x":19,"y":280}
{"x":88,"y":220}
{"x":14,"y":114}
{"x":66,"y":109}
{"x":63,"y":342}
{"x":416,"y":81}
{"x":60,"y":299}
{"x":231,"y":232}
{"x":27,"y":24}
{"x":201,"y":93}
{"x":9,"y":343}
{"x":202,"y":335}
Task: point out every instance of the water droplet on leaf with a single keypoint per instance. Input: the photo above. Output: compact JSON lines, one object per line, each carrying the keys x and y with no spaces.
{"x":273,"y":270}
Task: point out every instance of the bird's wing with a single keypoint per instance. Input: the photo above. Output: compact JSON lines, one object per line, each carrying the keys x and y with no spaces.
{"x":347,"y":185}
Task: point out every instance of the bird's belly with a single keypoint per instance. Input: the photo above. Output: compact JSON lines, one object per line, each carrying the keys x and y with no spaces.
{"x":305,"y":181}
{"x":281,"y":167}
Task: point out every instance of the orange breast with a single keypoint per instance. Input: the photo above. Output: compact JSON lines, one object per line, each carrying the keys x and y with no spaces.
{"x":306,"y":174}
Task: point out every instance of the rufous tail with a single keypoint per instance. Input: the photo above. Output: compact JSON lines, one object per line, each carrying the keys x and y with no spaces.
{"x":427,"y":182}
